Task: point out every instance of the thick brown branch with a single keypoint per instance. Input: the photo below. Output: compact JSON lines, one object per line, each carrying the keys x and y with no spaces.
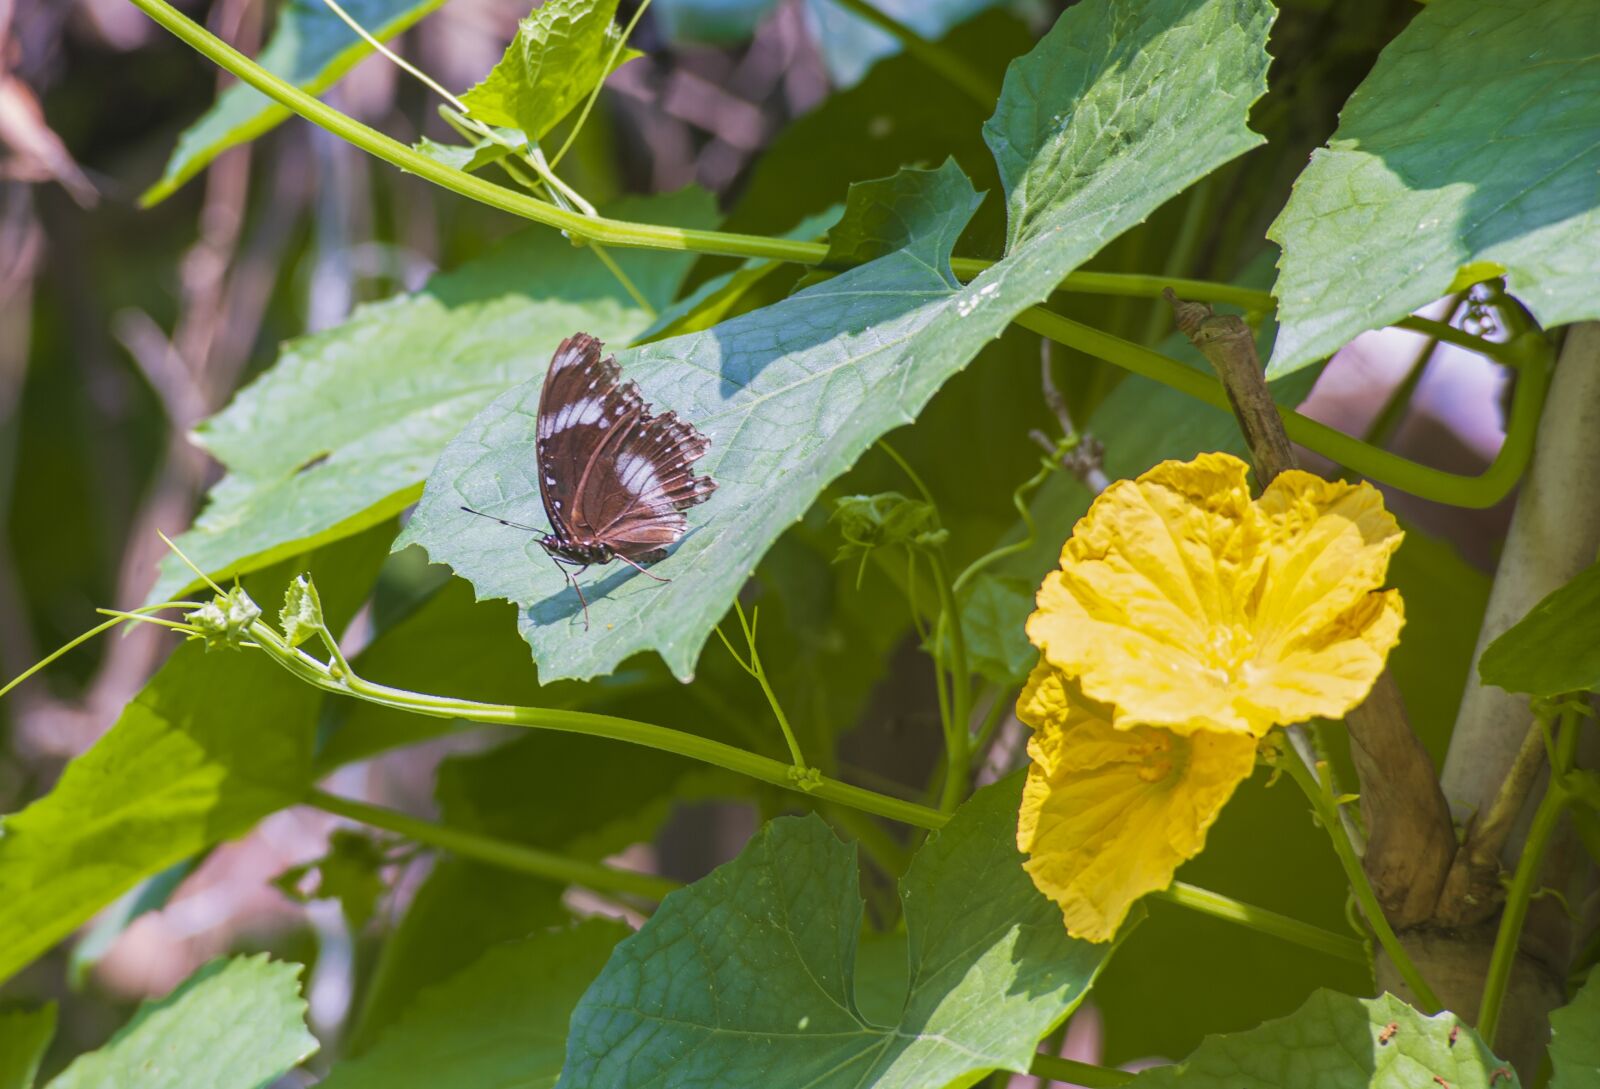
{"x":1410,"y":839}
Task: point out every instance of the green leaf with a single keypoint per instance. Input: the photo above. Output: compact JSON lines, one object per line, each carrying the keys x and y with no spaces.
{"x":301,"y":615}
{"x":312,"y":48}
{"x":213,"y":743}
{"x":234,"y":1024}
{"x":1574,"y":1043}
{"x":791,"y":395}
{"x":1341,"y":1043}
{"x":883,"y":215}
{"x":560,"y":52}
{"x":501,"y":1021}
{"x":338,"y":435}
{"x":752,"y":969}
{"x":461,"y":910}
{"x":1555,"y":648}
{"x":1467,"y":153}
{"x":482,"y":152}
{"x":24,"y":1036}
{"x":717,"y":297}
{"x":993,"y":612}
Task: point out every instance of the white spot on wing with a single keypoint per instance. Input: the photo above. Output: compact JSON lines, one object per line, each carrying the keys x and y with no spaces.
{"x":636,"y":474}
{"x":576,"y":413}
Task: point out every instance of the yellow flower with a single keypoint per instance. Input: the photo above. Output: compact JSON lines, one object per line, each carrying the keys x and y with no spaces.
{"x":1108,"y":814}
{"x":1184,"y":604}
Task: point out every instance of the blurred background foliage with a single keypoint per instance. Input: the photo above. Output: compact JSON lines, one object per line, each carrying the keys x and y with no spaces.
{"x":121,"y":328}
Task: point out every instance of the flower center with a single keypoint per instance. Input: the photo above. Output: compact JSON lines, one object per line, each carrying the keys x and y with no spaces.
{"x":1161,"y":756}
{"x":1229,"y":650}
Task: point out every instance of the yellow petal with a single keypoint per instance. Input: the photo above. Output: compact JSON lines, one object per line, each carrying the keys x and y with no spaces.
{"x":1327,"y":672}
{"x":1150,"y":600}
{"x":1329,"y":546}
{"x":1108,"y":815}
{"x":1183,"y":604}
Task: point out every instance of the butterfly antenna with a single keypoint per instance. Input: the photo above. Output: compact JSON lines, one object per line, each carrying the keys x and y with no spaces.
{"x":639,"y":569}
{"x":502,"y":521}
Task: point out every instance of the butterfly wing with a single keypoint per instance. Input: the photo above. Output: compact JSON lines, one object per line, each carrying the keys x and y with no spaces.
{"x":611,"y":472}
{"x":573,"y":402}
{"x":639,"y":503}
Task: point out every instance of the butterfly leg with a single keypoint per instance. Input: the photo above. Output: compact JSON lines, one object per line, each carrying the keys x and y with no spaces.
{"x":572,"y":578}
{"x":639,"y":569}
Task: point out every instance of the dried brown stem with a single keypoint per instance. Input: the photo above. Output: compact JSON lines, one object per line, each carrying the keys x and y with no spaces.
{"x":1230,"y":347}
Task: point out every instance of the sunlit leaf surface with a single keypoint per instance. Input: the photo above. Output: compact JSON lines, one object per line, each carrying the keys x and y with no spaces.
{"x":1093,"y":132}
{"x":1469,"y":152}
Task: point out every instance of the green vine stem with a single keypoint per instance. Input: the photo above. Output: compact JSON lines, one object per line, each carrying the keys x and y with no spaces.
{"x":947,"y":63}
{"x":754,"y":668}
{"x":1326,"y":807}
{"x":347,"y":683}
{"x":612,"y":232}
{"x":760,"y":768}
{"x":678,"y":742}
{"x":1526,"y":877}
{"x":1019,"y":500}
{"x":956,"y":709}
{"x":496,"y":852}
{"x":958,"y":730}
{"x":1457,"y":490}
{"x":117,"y":618}
{"x":1258,"y":918}
{"x":1483,"y":490}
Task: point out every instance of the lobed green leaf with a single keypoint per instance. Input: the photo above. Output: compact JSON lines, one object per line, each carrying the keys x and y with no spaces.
{"x":234,"y":1024}
{"x":1340,"y":1042}
{"x":791,"y":395}
{"x":560,"y":52}
{"x":753,"y":969}
{"x":338,"y":435}
{"x":1469,"y":152}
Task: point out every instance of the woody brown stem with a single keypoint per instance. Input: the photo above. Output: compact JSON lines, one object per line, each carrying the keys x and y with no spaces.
{"x":1230,"y":347}
{"x":1410,"y":840}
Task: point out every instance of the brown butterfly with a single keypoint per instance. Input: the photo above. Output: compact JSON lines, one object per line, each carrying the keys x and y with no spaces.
{"x":615,"y":478}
